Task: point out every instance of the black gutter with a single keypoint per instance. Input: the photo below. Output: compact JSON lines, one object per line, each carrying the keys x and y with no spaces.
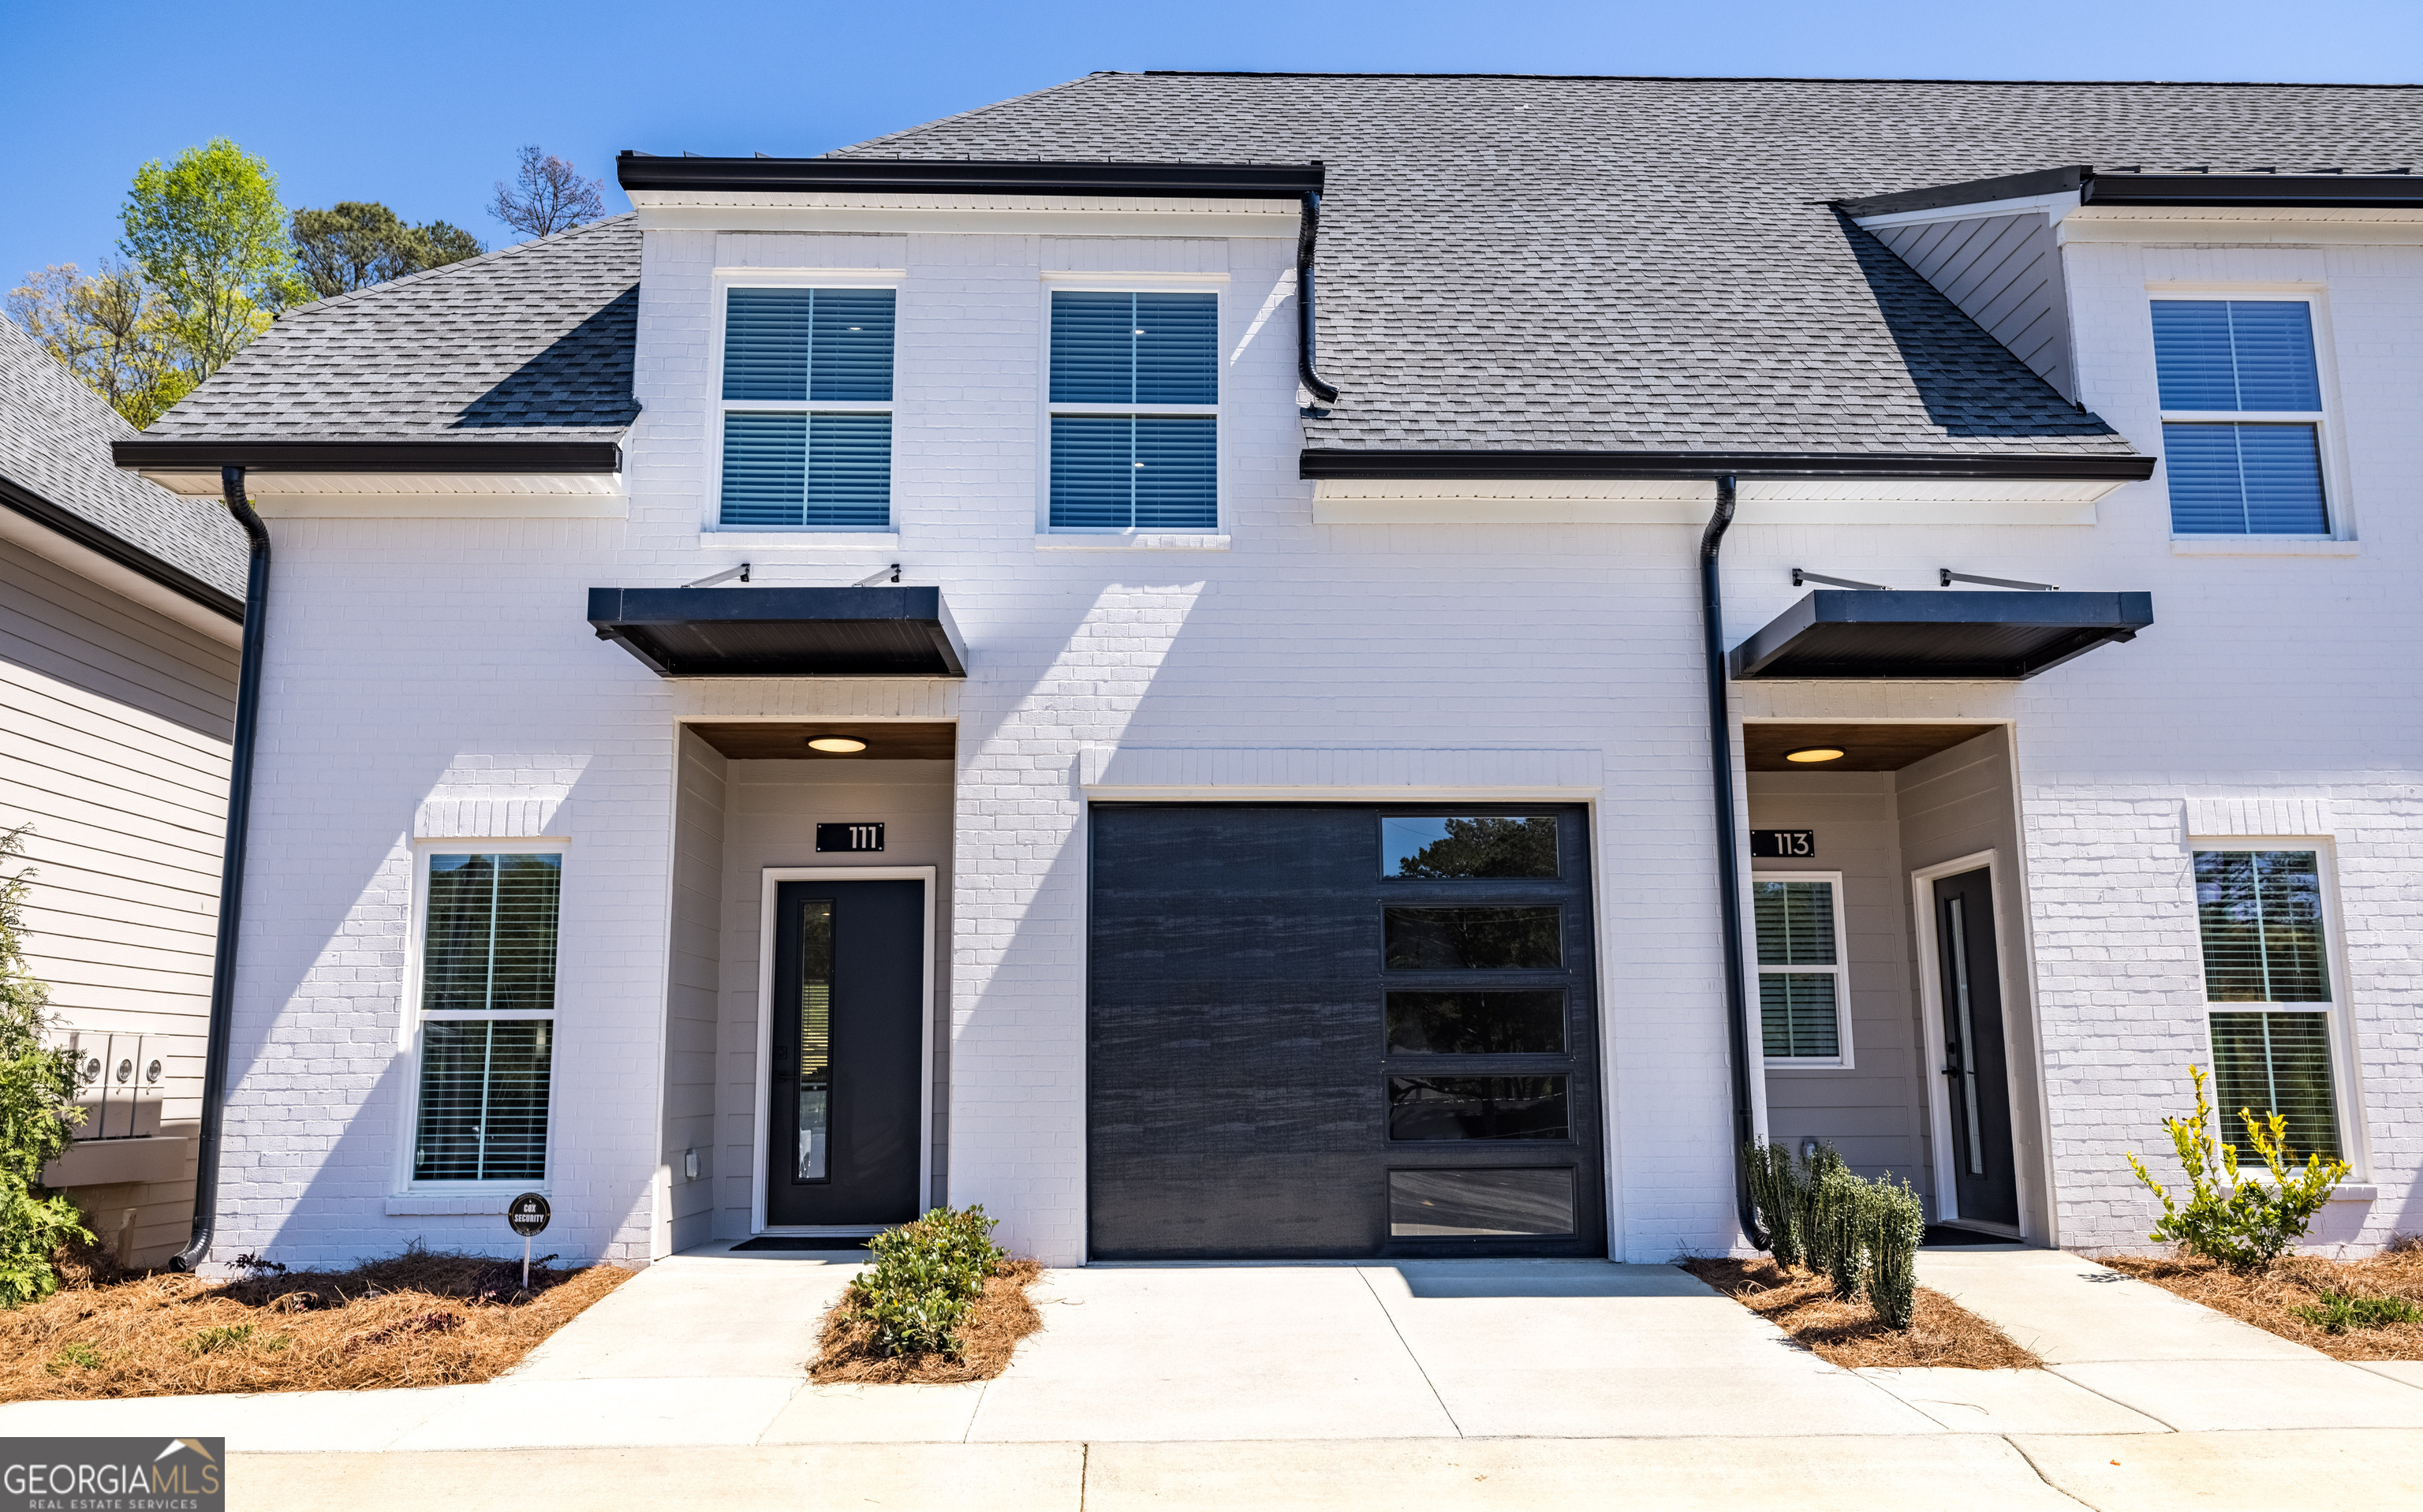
{"x":222,"y":1019}
{"x":865,"y":175}
{"x":1720,"y":792}
{"x":2285,"y":191}
{"x":1512,"y":465}
{"x":1308,"y":237}
{"x":370,"y":456}
{"x":134,"y":559}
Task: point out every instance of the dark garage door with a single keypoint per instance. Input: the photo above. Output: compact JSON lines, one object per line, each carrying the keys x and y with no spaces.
{"x":1342,"y":1031}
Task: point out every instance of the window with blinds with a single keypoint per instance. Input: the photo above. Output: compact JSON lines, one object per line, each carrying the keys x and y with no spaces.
{"x":2242,"y":403}
{"x":1801,"y":967}
{"x":487,"y":1012}
{"x":807,"y":409}
{"x":2259,"y":913}
{"x":1134,"y":397}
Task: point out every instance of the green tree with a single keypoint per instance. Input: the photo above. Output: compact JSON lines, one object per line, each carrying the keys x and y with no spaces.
{"x":361,"y":243}
{"x":208,"y":233}
{"x":36,"y":1109}
{"x":111,"y":329}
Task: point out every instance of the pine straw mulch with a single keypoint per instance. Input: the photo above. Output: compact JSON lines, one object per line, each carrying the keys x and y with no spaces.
{"x":1803,"y":1304}
{"x":1001,"y":1316}
{"x":417,"y":1320}
{"x":2265,"y":1298}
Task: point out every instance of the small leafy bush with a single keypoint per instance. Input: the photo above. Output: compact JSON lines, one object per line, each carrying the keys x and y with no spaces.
{"x":73,"y":1356}
{"x":926,"y":1279}
{"x":1861,"y":1235}
{"x":226,"y":1336}
{"x":2341,"y":1312}
{"x":2244,"y":1224}
{"x":36,"y":1110}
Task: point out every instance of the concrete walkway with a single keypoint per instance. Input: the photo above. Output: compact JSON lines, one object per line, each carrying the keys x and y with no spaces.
{"x":1533,"y":1384}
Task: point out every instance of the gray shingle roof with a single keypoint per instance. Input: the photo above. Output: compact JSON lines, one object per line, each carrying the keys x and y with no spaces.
{"x":530,"y":343}
{"x":1527,"y":262}
{"x":54,"y":436}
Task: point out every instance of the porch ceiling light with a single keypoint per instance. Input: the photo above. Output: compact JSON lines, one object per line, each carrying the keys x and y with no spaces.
{"x":1815,"y":753}
{"x":843,"y":745}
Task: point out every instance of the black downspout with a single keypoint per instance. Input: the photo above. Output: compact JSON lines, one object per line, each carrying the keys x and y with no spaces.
{"x":1720,"y":789}
{"x":1307,"y":236}
{"x":247,"y":721}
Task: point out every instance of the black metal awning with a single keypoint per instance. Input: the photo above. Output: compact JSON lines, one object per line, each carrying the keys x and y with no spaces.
{"x":1853,"y":633}
{"x":782,"y":633}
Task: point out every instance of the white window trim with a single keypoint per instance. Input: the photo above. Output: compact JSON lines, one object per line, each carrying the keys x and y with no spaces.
{"x":411,"y":1019}
{"x":1840,"y":971}
{"x":720,"y":284}
{"x":1056,"y":282}
{"x":2346,"y":1080}
{"x":2338,"y":510}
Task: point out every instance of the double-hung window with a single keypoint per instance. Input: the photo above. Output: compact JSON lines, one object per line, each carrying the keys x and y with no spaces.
{"x":2267,"y":980}
{"x":486,"y":1015}
{"x":2241,"y":401}
{"x":806,"y":409}
{"x":1134,"y":412}
{"x":1799,"y":923}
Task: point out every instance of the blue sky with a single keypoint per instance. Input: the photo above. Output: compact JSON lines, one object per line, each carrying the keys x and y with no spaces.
{"x":422,"y":104}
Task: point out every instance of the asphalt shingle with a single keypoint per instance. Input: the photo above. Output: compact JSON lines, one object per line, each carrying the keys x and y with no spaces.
{"x":55,"y":437}
{"x":1615,"y":265}
{"x":530,"y":343}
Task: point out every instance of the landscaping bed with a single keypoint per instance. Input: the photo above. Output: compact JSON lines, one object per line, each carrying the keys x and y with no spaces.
{"x":851,"y":1348}
{"x":417,"y":1319}
{"x":2346,"y":1309}
{"x":1803,"y":1304}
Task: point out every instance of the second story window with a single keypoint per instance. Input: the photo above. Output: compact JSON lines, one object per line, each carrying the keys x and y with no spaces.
{"x":1135,"y":407}
{"x":807,"y":409}
{"x":2242,"y":416}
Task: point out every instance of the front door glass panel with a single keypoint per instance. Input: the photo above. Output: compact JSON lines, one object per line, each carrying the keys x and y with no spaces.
{"x":816,"y":1040}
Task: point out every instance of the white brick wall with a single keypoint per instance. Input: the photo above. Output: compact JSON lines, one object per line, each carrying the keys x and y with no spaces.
{"x":438,"y":672}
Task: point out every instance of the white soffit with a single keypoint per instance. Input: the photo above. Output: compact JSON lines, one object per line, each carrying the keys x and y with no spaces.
{"x":417,"y":495}
{"x":1761,"y":502}
{"x":2355,"y":226}
{"x":1036,"y":214}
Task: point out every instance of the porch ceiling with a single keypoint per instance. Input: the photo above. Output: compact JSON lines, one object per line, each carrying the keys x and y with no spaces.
{"x":787,"y":740}
{"x":1864,"y":747}
{"x":1840,"y":633}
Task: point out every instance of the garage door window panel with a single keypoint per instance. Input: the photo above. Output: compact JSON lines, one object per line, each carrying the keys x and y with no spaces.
{"x":1478,"y":1107}
{"x":1474,"y":939}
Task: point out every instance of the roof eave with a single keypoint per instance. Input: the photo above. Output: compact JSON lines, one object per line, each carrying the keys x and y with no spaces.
{"x":104,"y":543}
{"x":1319,"y":462}
{"x":425,"y":457}
{"x":2264,"y":191}
{"x":1205,"y":180}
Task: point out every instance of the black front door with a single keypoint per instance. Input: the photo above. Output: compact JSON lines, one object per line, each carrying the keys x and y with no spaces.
{"x":1976,"y":1069}
{"x":848,"y":1049}
{"x":1340,"y":1031}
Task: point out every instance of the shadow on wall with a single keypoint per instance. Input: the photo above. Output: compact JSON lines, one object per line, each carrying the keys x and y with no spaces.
{"x":582,"y":378}
{"x":1971,"y":384}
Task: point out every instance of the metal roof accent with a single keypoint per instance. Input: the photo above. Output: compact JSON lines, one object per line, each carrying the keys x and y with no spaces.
{"x":1838,"y":633}
{"x":2254,"y":189}
{"x":782,"y":633}
{"x":1207,"y":181}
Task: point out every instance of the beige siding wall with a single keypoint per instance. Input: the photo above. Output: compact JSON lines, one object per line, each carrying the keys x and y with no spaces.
{"x":771,"y":820}
{"x":699,"y":815}
{"x":1874,"y":1112}
{"x":1956,"y":804}
{"x":113,"y":730}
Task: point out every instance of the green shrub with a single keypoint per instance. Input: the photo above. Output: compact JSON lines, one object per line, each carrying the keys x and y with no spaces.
{"x":2244,"y":1224}
{"x":226,"y":1336}
{"x":36,"y":1110}
{"x":1897,"y":1223}
{"x":926,"y":1279}
{"x":2339,"y":1312}
{"x":1842,"y":1218}
{"x":1775,"y":1190}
